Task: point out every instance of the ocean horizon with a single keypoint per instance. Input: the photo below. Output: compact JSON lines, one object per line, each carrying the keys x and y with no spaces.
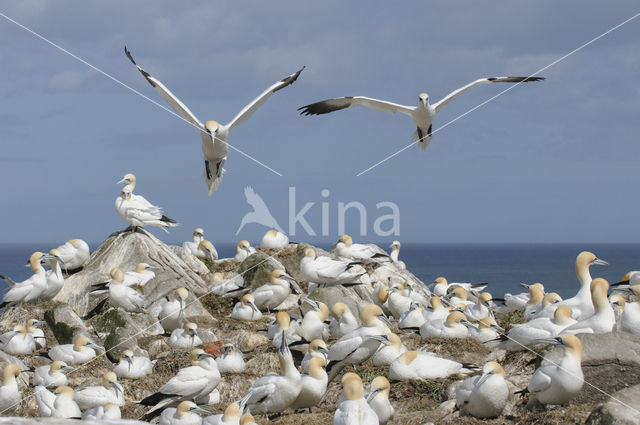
{"x":502,"y":265}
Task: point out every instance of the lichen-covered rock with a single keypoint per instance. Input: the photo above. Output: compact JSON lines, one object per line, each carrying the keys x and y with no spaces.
{"x":621,"y":409}
{"x":65,"y":323}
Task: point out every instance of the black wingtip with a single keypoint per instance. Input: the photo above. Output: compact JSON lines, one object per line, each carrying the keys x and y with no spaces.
{"x":168,"y":220}
{"x":622,"y":282}
{"x":128,"y":53}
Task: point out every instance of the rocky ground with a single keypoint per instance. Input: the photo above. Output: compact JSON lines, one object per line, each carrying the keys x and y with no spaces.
{"x":611,"y":362}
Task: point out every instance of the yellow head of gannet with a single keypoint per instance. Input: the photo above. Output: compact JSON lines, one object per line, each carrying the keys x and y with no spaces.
{"x":188,"y":408}
{"x":383,"y":294}
{"x":277,"y":275}
{"x":454,"y":318}
{"x":212,"y":126}
{"x":198,"y":232}
{"x":562,"y":314}
{"x":618,"y":300}
{"x":485,"y":299}
{"x":142,"y":267}
{"x":190,"y":328}
{"x":77,"y":243}
{"x":550,"y":298}
{"x":585,"y":260}
{"x":32,"y":324}
{"x":181,"y":294}
{"x":110,"y":380}
{"x":247,"y":419}
{"x":394,"y":340}
{"x":128,"y":179}
{"x":82,"y":342}
{"x":352,"y":386}
{"x":318,"y":346}
{"x":35,"y":261}
{"x":315,"y":366}
{"x":435,"y":302}
{"x":408,"y":357}
{"x":536,"y":293}
{"x":346,"y":239}
{"x":68,"y":391}
{"x":243,"y":245}
{"x":127,"y":356}
{"x":207,"y":248}
{"x":371,"y":314}
{"x":58,"y":365}
{"x":599,"y":288}
{"x":232,"y":411}
{"x":310,"y":252}
{"x":338,"y":309}
{"x":423,"y":99}
{"x":283,"y":320}
{"x":459,"y":292}
{"x":490,"y":369}
{"x":248,"y":299}
{"x":380,"y":384}
{"x":10,"y":372}
{"x":395,"y":245}
{"x":117,"y":275}
{"x":56,"y":255}
{"x":272,"y":232}
{"x":440,"y":281}
{"x":488,"y":323}
{"x":323,"y":310}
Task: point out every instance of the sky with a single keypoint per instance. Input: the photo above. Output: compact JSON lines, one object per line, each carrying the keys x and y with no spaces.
{"x":554,"y":161}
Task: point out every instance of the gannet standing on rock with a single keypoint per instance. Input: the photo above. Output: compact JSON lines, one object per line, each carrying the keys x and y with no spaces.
{"x":604,"y":318}
{"x":109,"y":392}
{"x":31,"y":289}
{"x":137,"y":211}
{"x":133,"y":367}
{"x":59,"y":404}
{"x":214,"y":135}
{"x":484,"y":396}
{"x":171,"y":314}
{"x":343,"y":320}
{"x":324,"y":270}
{"x":123,"y":296}
{"x":55,"y":279}
{"x":109,"y":411}
{"x":378,"y":399}
{"x":422,"y":115}
{"x":51,"y":375}
{"x":273,"y":293}
{"x":74,"y":254}
{"x":395,"y":253}
{"x":581,"y":303}
{"x":246,"y":309}
{"x":559,"y":384}
{"x":192,"y":246}
{"x":347,"y":249}
{"x":313,"y":324}
{"x":354,"y":409}
{"x":313,"y":385}
{"x":186,"y":337}
{"x":9,"y":393}
{"x":206,"y":250}
{"x":185,"y":414}
{"x":80,"y":351}
{"x":243,"y":250}
{"x":274,"y":239}
{"x":140,"y":276}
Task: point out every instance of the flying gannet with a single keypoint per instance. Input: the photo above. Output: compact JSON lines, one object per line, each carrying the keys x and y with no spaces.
{"x":214,"y":135}
{"x":422,"y":115}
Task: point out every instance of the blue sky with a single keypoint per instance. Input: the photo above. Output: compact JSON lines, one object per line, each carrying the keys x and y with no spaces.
{"x":546,"y":162}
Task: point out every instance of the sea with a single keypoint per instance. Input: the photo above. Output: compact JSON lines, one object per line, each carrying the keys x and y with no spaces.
{"x":502,"y":266}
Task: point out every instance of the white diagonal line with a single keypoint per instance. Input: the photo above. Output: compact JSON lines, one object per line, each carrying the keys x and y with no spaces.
{"x":577,"y":49}
{"x":130,"y":88}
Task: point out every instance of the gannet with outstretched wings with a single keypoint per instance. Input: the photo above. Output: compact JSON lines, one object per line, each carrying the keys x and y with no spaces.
{"x":214,"y":135}
{"x":422,"y":115}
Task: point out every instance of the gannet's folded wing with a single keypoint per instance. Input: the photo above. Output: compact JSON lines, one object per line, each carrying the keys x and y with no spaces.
{"x":256,"y":103}
{"x":344,"y":346}
{"x":175,"y":103}
{"x":540,"y":381}
{"x":330,"y":105}
{"x":189,"y":380}
{"x":448,"y":98}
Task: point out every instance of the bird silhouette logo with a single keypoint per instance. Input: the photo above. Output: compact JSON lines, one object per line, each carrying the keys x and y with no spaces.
{"x":260,"y":213}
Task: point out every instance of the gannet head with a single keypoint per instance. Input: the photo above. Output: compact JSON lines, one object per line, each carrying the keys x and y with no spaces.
{"x":489,"y":323}
{"x":187,"y":408}
{"x":55,"y":255}
{"x":488,"y":370}
{"x":617,"y":301}
{"x":394,"y":340}
{"x":125,"y":193}
{"x":212,"y":126}
{"x":352,"y":387}
{"x":323,"y":311}
{"x":370,"y":315}
{"x":536,"y":293}
{"x":181,"y":294}
{"x":56,"y":366}
{"x":315,"y":366}
{"x":10,"y":372}
{"x":550,"y":298}
{"x":110,"y":380}
{"x":395,"y":246}
{"x":244,"y":245}
{"x":207,"y":248}
{"x":338,"y":309}
{"x":33,"y":323}
{"x":423,"y":98}
{"x":77,"y":243}
{"x":82,"y":342}
{"x":379,"y":385}
{"x":127,"y":356}
{"x":142,"y":267}
{"x":66,"y":391}
{"x":232,"y":411}
{"x":318,"y":346}
{"x":562,"y":314}
{"x":383,"y":294}
{"x":584,"y":260}
{"x":36,"y":260}
{"x":247,"y":419}
{"x":272,"y":233}
{"x":459,"y":292}
{"x":250,"y":300}
{"x":407,"y":357}
{"x":599,"y":289}
{"x":190,"y":329}
{"x":415,"y":305}
{"x":440,"y":281}
{"x":346,"y":239}
{"x":485,"y":299}
{"x":198,"y":232}
{"x":117,"y":275}
{"x":310,"y":252}
{"x":435,"y":302}
{"x":128,"y":179}
{"x":283,"y":320}
{"x":455,"y":317}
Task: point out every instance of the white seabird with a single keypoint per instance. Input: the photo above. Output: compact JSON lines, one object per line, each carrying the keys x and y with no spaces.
{"x":347,"y":249}
{"x":548,"y":306}
{"x":604,"y":319}
{"x":273,"y":293}
{"x":80,"y":351}
{"x":551,"y":384}
{"x":246,"y":309}
{"x":422,"y":115}
{"x":442,"y":286}
{"x":137,"y":211}
{"x":423,"y":365}
{"x":192,"y":246}
{"x":274,"y":239}
{"x":186,"y":337}
{"x":214,"y":135}
{"x":109,"y":392}
{"x":387,"y":353}
{"x":74,"y":254}
{"x":313,"y":324}
{"x":230,"y":360}
{"x":31,"y":326}
{"x":185,"y":414}
{"x":123,"y":296}
{"x":343,"y":320}
{"x":452,"y":327}
{"x":412,"y":318}
{"x":316,"y":348}
{"x":630,"y":318}
{"x":206,"y":250}
{"x":18,"y":341}
{"x":354,"y":409}
{"x":231,"y":415}
{"x":55,"y":278}
{"x":378,"y":399}
{"x":486,"y":330}
{"x":243,"y":250}
{"x":109,"y":411}
{"x":325,"y":270}
{"x":140,"y":276}
{"x":10,"y":395}
{"x":132,"y":366}
{"x":31,"y":289}
{"x":581,"y":302}
{"x":486,"y":395}
{"x":530,"y":333}
{"x":59,"y":404}
{"x":395,"y":253}
{"x":171,"y":315}
{"x":313,"y":385}
{"x":282,"y":326}
{"x":481,"y":309}
{"x":51,"y":375}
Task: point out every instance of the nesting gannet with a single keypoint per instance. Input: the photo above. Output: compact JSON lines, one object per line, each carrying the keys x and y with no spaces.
{"x":214,"y":135}
{"x":486,"y":330}
{"x":275,"y":393}
{"x":604,"y":319}
{"x":548,"y":306}
{"x":360,"y":344}
{"x":31,"y":289}
{"x":412,"y":318}
{"x":186,"y":337}
{"x":581,"y":302}
{"x":436,"y":311}
{"x":343,"y":320}
{"x":231,"y":360}
{"x":389,"y":352}
{"x":356,"y":251}
{"x":325,"y":270}
{"x":138,"y":212}
{"x":132,"y":366}
{"x":55,"y":278}
{"x":282,"y":326}
{"x":481,"y":309}
{"x":192,"y":382}
{"x":74,"y":254}
{"x":452,"y":327}
{"x":422,"y":115}
{"x":551,"y":384}
{"x":486,"y":395}
{"x":378,"y":399}
{"x":442,"y":286}
{"x":243,"y":250}
{"x":630,"y":318}
{"x":140,"y":276}
{"x":9,"y":393}
{"x":458,"y":295}
{"x":51,"y":375}
{"x":423,"y":365}
{"x":273,"y":293}
{"x":313,"y":324}
{"x":185,"y":414}
{"x":80,"y":351}
{"x":534,"y":303}
{"x":397,"y":303}
{"x":192,"y":246}
{"x":206,"y":250}
{"x":109,"y":411}
{"x":31,"y":326}
{"x":316,"y":348}
{"x":246,"y":309}
{"x":231,"y":415}
{"x":18,"y":341}
{"x":529,"y":334}
{"x":59,"y":404}
{"x":172,"y":314}
{"x":123,"y":296}
{"x":313,"y":385}
{"x":354,"y":409}
{"x":109,"y":392}
{"x":274,"y":239}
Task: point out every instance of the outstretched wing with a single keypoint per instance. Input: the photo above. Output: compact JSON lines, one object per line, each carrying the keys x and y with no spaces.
{"x":448,"y":98}
{"x":256,"y":103}
{"x":175,"y":103}
{"x":255,"y":200}
{"x":330,"y":105}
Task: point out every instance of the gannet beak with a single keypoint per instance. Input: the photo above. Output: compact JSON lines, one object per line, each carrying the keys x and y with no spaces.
{"x":95,"y":346}
{"x":201,"y":410}
{"x":128,"y":359}
{"x":39,"y":323}
{"x":599,"y":262}
{"x":497,"y":327}
{"x":372,"y":394}
{"x":152,"y":268}
{"x":69,"y":368}
{"x":524,"y":285}
{"x":484,"y":377}
{"x":552,"y":341}
{"x":123,"y":181}
{"x":254,"y":307}
{"x":284,"y":348}
{"x":311,"y":302}
{"x":115,"y":387}
{"x":385,"y":319}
